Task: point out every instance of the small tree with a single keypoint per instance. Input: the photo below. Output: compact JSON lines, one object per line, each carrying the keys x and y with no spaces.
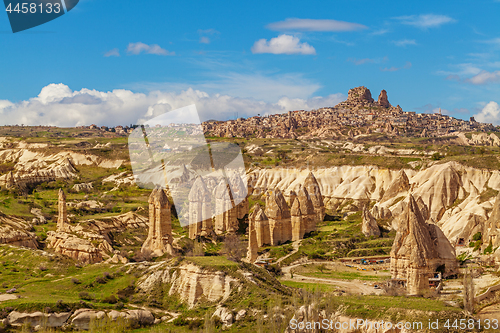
{"x":321,"y":268}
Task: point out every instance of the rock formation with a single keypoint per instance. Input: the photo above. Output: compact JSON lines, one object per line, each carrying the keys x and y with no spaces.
{"x":313,"y":189}
{"x":17,"y":232}
{"x":261,"y":222}
{"x":298,"y":229}
{"x":62,"y":219}
{"x":278,"y":213}
{"x":200,"y":210}
{"x":82,"y":250}
{"x":159,"y":240}
{"x":240,"y":194}
{"x":491,"y":230}
{"x":359,"y":95}
{"x":190,"y":282}
{"x":369,"y":226}
{"x":383,"y":101}
{"x":83,"y":187}
{"x":418,"y":250}
{"x":400,"y":184}
{"x":226,"y":215}
{"x":307,"y":211}
{"x":253,"y":247}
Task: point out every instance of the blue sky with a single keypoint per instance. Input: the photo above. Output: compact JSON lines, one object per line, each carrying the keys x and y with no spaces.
{"x":119,"y":61}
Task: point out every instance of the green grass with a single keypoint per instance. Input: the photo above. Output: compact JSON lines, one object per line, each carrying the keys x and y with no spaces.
{"x":216,"y":262}
{"x":311,"y":287}
{"x":42,"y":281}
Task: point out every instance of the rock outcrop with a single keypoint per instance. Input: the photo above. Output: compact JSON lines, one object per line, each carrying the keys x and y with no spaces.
{"x":159,"y":239}
{"x":190,"y":282}
{"x":418,"y":250}
{"x":369,"y":226}
{"x":200,"y":210}
{"x":49,"y":320}
{"x":491,"y":230}
{"x":400,"y":185}
{"x":82,"y":250}
{"x":83,"y":187}
{"x":35,"y":166}
{"x":17,"y":232}
{"x":383,"y":101}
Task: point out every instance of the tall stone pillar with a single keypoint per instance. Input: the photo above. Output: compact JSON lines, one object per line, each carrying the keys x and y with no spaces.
{"x":252,"y":242}
{"x":62,"y":218}
{"x":312,"y":187}
{"x":159,"y":239}
{"x":298,"y":229}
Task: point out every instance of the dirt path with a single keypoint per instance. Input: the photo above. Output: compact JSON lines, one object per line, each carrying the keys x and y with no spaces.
{"x":7,"y":297}
{"x":295,"y":246}
{"x":350,"y":286}
{"x":490,"y":312}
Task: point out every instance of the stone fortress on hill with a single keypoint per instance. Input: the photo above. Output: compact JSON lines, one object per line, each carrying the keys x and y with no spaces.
{"x":359,"y":114}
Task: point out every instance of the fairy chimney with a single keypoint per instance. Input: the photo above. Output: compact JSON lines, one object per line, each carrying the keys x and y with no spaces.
{"x":298,"y":229}
{"x":62,"y":219}
{"x":278,"y":213}
{"x":307,"y":210}
{"x":418,"y":250}
{"x":252,"y":242}
{"x":159,"y":240}
{"x":369,"y":227}
{"x":240,"y":194}
{"x":261,"y":223}
{"x":200,"y":211}
{"x":226,"y":215}
{"x":312,"y":187}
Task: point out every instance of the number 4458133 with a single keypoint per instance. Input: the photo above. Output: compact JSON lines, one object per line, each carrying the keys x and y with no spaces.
{"x":471,"y":324}
{"x":33,"y":8}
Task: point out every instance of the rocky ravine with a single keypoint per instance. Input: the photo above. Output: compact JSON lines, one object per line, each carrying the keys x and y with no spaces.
{"x":450,"y":192}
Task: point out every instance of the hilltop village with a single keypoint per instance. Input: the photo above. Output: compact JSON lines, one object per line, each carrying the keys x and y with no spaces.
{"x":359,"y":114}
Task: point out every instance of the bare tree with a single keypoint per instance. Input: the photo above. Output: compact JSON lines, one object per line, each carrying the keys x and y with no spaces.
{"x":233,"y":247}
{"x":468,"y":291}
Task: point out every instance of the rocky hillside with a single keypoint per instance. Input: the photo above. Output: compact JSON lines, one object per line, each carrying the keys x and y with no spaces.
{"x":360,"y":114}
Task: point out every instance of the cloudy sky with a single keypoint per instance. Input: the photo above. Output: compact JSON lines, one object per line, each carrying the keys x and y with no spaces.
{"x":113,"y":62}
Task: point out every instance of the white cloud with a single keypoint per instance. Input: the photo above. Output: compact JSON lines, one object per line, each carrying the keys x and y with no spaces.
{"x":425,"y":21}
{"x":138,"y":48}
{"x":283,"y":44}
{"x":58,"y":105}
{"x":489,"y":114}
{"x":204,"y":40}
{"x":295,"y":24}
{"x":112,"y":53}
{"x":405,"y":42}
{"x":484,"y":77}
{"x":268,"y":88}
